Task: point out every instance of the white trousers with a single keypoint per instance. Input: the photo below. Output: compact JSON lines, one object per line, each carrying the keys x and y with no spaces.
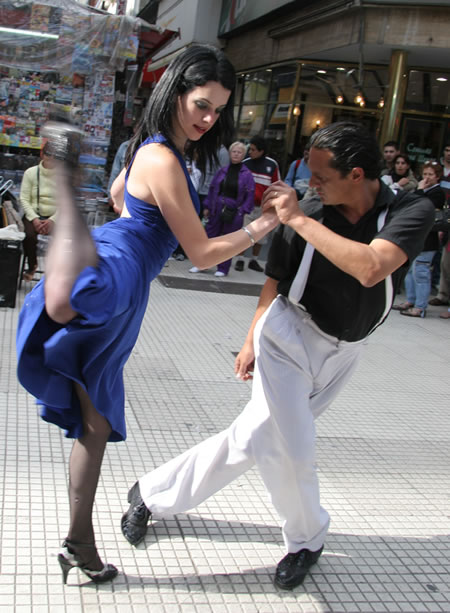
{"x":299,"y":370}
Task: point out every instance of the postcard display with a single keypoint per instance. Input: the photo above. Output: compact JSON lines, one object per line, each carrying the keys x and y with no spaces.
{"x":73,"y":68}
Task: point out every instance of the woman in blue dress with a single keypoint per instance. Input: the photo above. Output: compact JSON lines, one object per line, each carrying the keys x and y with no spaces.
{"x":79,"y":325}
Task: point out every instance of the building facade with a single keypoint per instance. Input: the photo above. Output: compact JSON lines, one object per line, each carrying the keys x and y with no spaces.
{"x":304,"y":64}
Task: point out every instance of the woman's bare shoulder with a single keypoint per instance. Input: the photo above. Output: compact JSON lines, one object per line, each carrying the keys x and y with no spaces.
{"x":158,"y":155}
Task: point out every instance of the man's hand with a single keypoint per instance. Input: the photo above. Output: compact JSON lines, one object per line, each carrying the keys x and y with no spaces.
{"x":283,"y":199}
{"x":244,"y":362}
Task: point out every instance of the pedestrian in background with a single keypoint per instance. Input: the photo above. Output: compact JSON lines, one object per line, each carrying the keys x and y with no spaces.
{"x":230,"y":197}
{"x":265,"y":171}
{"x":401,"y":177}
{"x":37,"y":197}
{"x":298,"y":175}
{"x":418,"y":278}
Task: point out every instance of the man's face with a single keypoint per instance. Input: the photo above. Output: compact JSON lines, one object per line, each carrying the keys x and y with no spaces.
{"x":447,"y":155}
{"x":255,"y":153}
{"x":389,"y":153}
{"x":331,"y":186}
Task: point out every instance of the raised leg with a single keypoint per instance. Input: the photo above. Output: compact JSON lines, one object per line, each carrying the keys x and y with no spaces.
{"x":72,"y":248}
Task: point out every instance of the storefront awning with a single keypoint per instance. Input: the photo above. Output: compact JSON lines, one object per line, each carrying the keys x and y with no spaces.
{"x":152,"y":40}
{"x":153,"y":70}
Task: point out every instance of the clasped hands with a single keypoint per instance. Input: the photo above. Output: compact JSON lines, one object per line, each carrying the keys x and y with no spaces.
{"x":42,"y":226}
{"x":283,"y":199}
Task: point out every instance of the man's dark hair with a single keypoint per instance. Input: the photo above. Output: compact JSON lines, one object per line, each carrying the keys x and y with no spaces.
{"x":391,"y":143}
{"x":352,"y":146}
{"x":192,"y":68}
{"x":259,"y":142}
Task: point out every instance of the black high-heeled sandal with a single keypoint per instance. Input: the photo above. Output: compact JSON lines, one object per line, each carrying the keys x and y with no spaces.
{"x":68,"y":558}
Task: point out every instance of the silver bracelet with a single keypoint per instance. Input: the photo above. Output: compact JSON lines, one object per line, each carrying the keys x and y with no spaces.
{"x":250,"y":235}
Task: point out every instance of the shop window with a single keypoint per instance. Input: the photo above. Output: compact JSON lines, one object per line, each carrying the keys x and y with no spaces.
{"x":239,"y":88}
{"x":428,"y":92}
{"x":256,"y":86}
{"x":282,"y":83}
{"x":422,"y":140}
{"x":340,"y":85}
{"x":251,"y":120}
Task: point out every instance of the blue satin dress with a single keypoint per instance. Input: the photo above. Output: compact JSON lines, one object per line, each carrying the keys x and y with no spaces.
{"x":110,"y":300}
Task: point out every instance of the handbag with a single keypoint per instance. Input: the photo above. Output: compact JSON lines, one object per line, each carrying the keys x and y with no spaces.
{"x":442,"y":220}
{"x":228,"y":213}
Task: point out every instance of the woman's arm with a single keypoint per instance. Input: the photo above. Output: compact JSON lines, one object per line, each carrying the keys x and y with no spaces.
{"x":157,"y":178}
{"x":118,"y":191}
{"x":26,"y":193}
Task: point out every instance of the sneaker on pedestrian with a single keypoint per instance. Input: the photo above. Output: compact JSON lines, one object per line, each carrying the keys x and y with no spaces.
{"x":293,"y":568}
{"x":194,"y":269}
{"x":253,"y":265}
{"x":239,"y":266}
{"x":219,"y":273}
{"x":180,"y":257}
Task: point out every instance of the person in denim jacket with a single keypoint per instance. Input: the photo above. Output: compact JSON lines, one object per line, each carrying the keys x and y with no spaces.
{"x":233,"y":187}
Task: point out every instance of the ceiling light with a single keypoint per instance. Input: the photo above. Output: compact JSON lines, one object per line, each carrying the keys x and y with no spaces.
{"x":297,"y":111}
{"x":339,"y":99}
{"x":358,"y":99}
{"x":341,"y":68}
{"x":380,"y":104}
{"x":441,"y":79}
{"x":34,"y":33}
{"x":322,"y":72}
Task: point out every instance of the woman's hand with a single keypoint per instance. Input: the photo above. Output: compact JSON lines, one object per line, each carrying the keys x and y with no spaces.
{"x":283,"y":199}
{"x":244,"y":362}
{"x":402,"y":182}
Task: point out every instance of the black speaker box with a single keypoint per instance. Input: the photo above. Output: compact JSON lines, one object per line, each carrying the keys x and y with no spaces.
{"x":10,"y":254}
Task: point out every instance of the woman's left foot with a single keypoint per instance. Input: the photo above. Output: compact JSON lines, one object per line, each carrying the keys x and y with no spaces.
{"x":414,"y":312}
{"x":85,"y":557}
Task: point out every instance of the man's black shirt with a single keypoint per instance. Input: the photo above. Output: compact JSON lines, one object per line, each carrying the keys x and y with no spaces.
{"x":337,"y":302}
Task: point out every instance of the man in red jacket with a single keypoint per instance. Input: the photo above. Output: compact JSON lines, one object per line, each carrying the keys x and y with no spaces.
{"x":265,"y":171}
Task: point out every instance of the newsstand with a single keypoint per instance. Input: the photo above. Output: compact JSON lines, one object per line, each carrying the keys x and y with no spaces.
{"x":10,"y":255}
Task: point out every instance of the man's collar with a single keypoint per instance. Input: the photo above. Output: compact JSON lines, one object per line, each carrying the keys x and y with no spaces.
{"x":384,"y":197}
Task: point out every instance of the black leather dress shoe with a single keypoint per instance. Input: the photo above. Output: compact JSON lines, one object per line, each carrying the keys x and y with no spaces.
{"x":294,"y":567}
{"x":134,"y":521}
{"x":253,"y":265}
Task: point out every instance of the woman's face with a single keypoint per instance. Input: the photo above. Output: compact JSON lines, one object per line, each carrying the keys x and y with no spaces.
{"x":237,"y":154}
{"x":198,"y":110}
{"x":430,"y":176}
{"x":48,"y":162}
{"x":401,"y":166}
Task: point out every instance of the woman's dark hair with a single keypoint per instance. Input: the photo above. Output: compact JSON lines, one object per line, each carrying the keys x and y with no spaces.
{"x":352,"y":146}
{"x":194,"y":67}
{"x":401,"y":155}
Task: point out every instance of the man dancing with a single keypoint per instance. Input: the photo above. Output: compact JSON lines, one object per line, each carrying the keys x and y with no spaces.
{"x":333,"y":270}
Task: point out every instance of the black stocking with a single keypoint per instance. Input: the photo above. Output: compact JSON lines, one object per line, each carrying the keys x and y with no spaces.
{"x":84,"y":472}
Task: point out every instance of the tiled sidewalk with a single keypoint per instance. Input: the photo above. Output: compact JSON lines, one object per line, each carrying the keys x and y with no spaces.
{"x":383,"y":455}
